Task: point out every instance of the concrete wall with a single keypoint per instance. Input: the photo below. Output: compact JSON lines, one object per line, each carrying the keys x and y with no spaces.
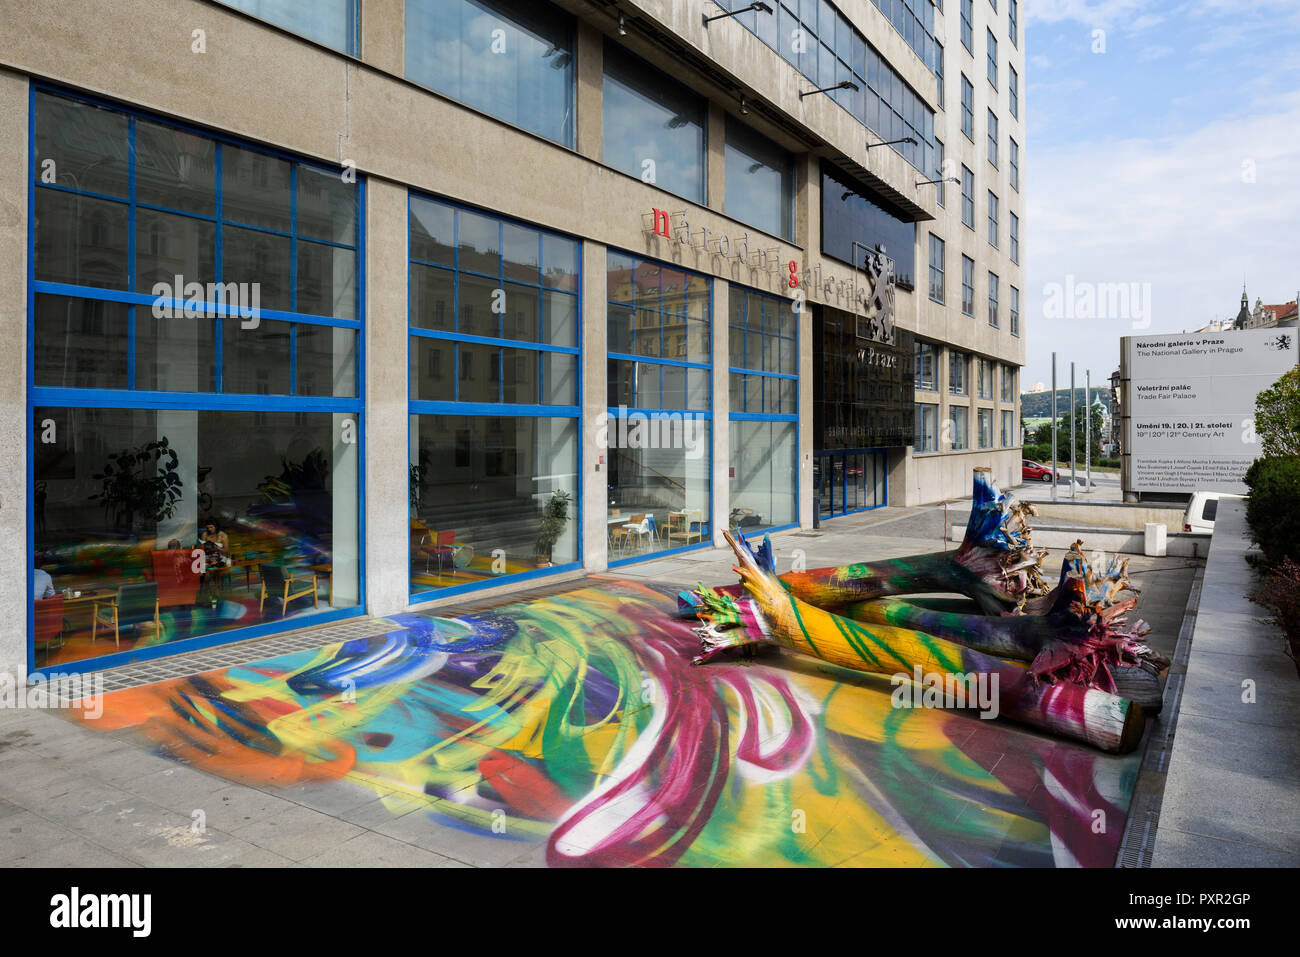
{"x":15,"y":589}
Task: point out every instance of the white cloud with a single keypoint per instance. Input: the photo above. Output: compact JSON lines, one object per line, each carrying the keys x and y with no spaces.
{"x":1176,"y":212}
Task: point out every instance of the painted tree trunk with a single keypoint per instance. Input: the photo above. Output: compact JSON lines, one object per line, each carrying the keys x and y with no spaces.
{"x":775,"y":616}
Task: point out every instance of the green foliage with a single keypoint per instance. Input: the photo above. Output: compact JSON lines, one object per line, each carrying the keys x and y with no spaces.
{"x":140,"y":483}
{"x":1279,"y":592}
{"x":1038,"y":453}
{"x":306,"y":476}
{"x":554,"y":517}
{"x":1273,"y":506}
{"x":1042,"y":436}
{"x":1277,"y":416}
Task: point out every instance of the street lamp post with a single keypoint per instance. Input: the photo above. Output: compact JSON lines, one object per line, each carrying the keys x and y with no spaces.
{"x":1087,"y":441}
{"x":1074,"y":428}
{"x":1054,"y":424}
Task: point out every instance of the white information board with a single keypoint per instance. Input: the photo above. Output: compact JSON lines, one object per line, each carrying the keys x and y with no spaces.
{"x":1192,"y":406}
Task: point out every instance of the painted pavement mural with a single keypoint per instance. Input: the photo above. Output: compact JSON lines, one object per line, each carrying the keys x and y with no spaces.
{"x":579,"y":722}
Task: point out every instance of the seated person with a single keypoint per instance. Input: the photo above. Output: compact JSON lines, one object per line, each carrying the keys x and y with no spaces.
{"x":216,"y":546}
{"x":43,"y":584}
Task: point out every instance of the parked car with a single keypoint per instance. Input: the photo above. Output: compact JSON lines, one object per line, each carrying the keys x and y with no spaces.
{"x":1201,"y":510}
{"x":1031,"y":471}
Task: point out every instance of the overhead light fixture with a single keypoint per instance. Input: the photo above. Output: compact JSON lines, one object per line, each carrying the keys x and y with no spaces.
{"x":761,"y":7}
{"x":941,"y":179}
{"x":744,"y":110}
{"x":622,"y":26}
{"x":901,"y":139}
{"x":842,"y":85}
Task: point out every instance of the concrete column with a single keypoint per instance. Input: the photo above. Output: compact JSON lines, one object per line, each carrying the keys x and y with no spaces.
{"x":383,"y":35}
{"x":807,"y":223}
{"x":15,"y":565}
{"x":715,"y":158}
{"x":386,"y":432}
{"x":591,"y":69}
{"x":721,"y":408}
{"x":595,"y":411}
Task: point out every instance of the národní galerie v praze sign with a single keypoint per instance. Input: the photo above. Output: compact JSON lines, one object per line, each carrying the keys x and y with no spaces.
{"x":800,"y":282}
{"x":1192,"y":406}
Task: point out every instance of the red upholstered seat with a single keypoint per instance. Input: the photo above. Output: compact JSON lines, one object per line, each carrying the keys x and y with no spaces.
{"x":178,"y":582}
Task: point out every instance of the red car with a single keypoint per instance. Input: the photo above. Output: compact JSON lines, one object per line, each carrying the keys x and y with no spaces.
{"x":1031,"y":471}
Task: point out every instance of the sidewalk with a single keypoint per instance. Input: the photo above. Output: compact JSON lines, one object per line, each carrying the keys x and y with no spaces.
{"x":485,"y":758}
{"x":1230,"y":797}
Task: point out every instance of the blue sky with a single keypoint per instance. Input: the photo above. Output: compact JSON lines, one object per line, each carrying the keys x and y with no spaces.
{"x":1163,"y":155}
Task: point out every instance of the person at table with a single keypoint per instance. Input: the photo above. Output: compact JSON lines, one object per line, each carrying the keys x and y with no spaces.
{"x":43,"y":584}
{"x":216,"y":546}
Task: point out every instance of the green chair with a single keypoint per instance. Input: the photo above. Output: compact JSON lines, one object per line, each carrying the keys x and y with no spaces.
{"x":286,"y":588}
{"x":134,"y":605}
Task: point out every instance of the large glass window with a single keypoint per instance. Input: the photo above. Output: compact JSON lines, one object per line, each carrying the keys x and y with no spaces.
{"x":659,"y":406}
{"x":958,"y":372}
{"x":993,"y":299}
{"x":494,"y":397}
{"x":817,"y":40}
{"x":927,"y":427}
{"x":1015,"y":311}
{"x":1014,"y":163}
{"x":991,"y":46}
{"x":959,"y":427}
{"x":984,"y":377}
{"x":985,"y":428}
{"x":653,"y":126}
{"x":760,"y":181}
{"x":967,"y":31}
{"x":331,"y":22}
{"x":853,"y":216}
{"x":177,"y":275}
{"x":1013,"y":91}
{"x":1008,"y":429}
{"x":927,"y":366}
{"x":512,"y":59}
{"x":939,"y":173}
{"x":1013,"y":22}
{"x":993,"y":218}
{"x":1015,"y":238}
{"x":762,"y":355}
{"x":1008,"y":383}
{"x":157,"y":526}
{"x":993,"y":139}
{"x":936,"y":268}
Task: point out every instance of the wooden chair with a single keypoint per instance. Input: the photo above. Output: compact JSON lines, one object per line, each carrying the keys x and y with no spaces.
{"x":285,"y":588}
{"x":134,"y":605}
{"x":679,"y":527}
{"x":622,"y":533}
{"x":178,"y":582}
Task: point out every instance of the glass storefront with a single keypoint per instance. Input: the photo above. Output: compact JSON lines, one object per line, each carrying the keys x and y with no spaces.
{"x":764,"y":389}
{"x":196,"y":396}
{"x":494,"y":434}
{"x":850,"y":480}
{"x":659,"y":425}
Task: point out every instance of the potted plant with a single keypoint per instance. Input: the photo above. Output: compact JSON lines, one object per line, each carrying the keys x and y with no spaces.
{"x":554,"y":517}
{"x":140,"y":484}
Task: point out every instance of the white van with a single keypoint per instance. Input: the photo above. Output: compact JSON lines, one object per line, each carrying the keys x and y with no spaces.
{"x":1201,"y":510}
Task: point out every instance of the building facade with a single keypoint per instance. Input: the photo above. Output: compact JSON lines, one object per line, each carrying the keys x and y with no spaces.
{"x":362,"y":305}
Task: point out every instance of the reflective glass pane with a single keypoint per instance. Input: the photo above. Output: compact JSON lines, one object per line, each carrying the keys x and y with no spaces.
{"x":520,"y":320}
{"x":82,"y":147}
{"x":259,"y":259}
{"x":560,"y":319}
{"x":80,"y":344}
{"x":520,"y":247}
{"x":479,"y":373}
{"x":327,"y":361}
{"x":432,"y":231}
{"x":559,"y":378}
{"x":327,"y":206}
{"x":432,"y":297}
{"x":560,"y":258}
{"x":480,"y":243}
{"x":80,"y":240}
{"x":176,"y":354}
{"x":520,"y":376}
{"x":174,"y":168}
{"x":433,"y":365}
{"x":255,"y":189}
{"x":255,"y":360}
{"x":169,"y":246}
{"x":476,"y":298}
{"x":327,"y":280}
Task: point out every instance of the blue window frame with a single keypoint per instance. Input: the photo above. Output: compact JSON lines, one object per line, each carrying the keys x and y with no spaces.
{"x":763,"y":364}
{"x":185,"y":287}
{"x":659,"y":381}
{"x":495,"y":395}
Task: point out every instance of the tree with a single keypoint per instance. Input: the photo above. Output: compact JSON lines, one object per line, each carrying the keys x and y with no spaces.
{"x":1277,"y":416}
{"x":1068,"y":424}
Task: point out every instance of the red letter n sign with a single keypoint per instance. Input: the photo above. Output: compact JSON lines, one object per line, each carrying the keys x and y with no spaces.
{"x":661,"y":223}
